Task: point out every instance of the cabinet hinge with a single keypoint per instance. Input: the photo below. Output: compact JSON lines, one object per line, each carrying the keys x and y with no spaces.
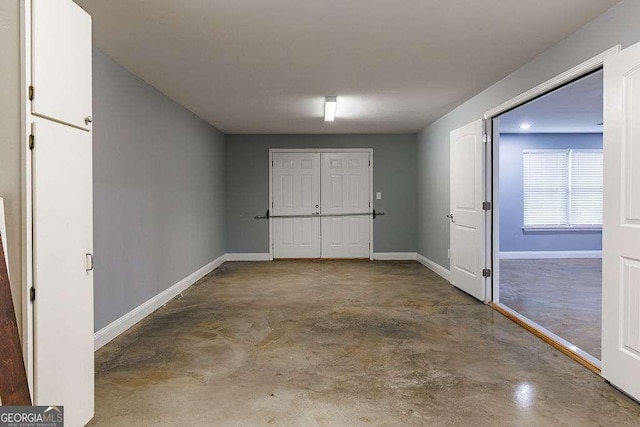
{"x":32,"y":294}
{"x":369,"y":162}
{"x":486,"y":206}
{"x":486,"y":272}
{"x":32,"y":141}
{"x":32,"y":92}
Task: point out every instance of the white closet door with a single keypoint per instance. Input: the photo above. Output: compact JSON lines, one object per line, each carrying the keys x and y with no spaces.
{"x":621,"y":231}
{"x":296,"y":191}
{"x":62,"y":238}
{"x":61,"y":62}
{"x":467,"y":222}
{"x":345,"y":190}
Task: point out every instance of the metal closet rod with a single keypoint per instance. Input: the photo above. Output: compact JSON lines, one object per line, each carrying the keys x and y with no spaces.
{"x":267,"y":216}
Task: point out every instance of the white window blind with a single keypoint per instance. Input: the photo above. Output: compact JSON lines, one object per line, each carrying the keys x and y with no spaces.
{"x":586,"y":188}
{"x":562,"y":188}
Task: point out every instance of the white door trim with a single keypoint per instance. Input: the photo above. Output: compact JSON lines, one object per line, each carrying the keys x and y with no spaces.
{"x":550,"y":254}
{"x":493,"y":187}
{"x":576,"y":72}
{"x":492,"y":234}
{"x":26,"y":192}
{"x":319,"y":150}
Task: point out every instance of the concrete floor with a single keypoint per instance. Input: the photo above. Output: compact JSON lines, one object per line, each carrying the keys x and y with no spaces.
{"x":562,"y":295}
{"x":341,"y":343}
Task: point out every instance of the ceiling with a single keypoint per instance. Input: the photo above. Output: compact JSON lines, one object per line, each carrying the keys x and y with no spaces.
{"x":575,"y":108}
{"x":256,"y":66}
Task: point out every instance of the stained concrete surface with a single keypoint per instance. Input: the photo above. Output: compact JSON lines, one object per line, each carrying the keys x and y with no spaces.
{"x":562,"y":295}
{"x":341,"y":343}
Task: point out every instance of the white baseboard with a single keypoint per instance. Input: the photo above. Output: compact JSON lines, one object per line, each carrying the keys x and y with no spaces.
{"x":394,"y":256}
{"x":118,"y":326}
{"x":248,"y":257}
{"x":550,"y":254}
{"x":436,"y":268}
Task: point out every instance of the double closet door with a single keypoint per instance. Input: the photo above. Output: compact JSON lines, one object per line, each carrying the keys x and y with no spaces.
{"x":321,"y":204}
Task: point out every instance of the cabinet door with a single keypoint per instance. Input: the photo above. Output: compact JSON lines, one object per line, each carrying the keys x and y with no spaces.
{"x":63,"y":276}
{"x":61,"y":62}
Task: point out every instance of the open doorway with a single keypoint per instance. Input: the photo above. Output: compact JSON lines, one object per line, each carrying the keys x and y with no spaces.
{"x":549,"y":165}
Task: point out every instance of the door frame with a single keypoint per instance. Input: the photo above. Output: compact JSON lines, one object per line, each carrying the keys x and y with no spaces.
{"x":492,"y":189}
{"x":26,"y":119}
{"x":319,"y":150}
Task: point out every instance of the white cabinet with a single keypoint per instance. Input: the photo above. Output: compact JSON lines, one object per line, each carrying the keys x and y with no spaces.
{"x":63,"y":264}
{"x":61,"y":62}
{"x":59,"y":206}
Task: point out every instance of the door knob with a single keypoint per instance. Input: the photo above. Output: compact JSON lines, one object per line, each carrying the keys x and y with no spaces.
{"x":88,"y":120}
{"x":317,"y":206}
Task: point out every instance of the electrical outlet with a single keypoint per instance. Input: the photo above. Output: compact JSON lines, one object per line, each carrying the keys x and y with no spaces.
{"x":379,"y":195}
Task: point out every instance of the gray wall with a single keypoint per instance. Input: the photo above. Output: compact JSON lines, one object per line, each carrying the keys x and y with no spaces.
{"x":159,"y":206}
{"x":10,"y":152}
{"x":512,"y":237}
{"x":394,"y":174}
{"x":619,"y":25}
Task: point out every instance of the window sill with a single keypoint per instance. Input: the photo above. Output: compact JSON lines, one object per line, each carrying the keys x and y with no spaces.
{"x":561,"y":228}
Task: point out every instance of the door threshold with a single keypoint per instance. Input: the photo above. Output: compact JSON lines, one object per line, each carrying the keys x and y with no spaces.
{"x":559,"y":343}
{"x":321,"y":259}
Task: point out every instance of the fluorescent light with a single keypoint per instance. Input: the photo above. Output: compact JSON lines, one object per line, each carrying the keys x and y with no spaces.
{"x":330,"y":105}
{"x":525,"y":126}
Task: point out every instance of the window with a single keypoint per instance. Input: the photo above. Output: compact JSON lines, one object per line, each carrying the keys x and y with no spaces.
{"x":562,"y":189}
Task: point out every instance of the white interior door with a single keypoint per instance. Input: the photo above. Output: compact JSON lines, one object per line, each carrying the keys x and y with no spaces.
{"x":345,"y":190}
{"x":621,"y":231}
{"x":296,"y":191}
{"x":63,"y":280}
{"x":467,"y":217}
{"x":61,"y":62}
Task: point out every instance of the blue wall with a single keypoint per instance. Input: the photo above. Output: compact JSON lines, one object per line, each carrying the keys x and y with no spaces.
{"x":512,"y":237}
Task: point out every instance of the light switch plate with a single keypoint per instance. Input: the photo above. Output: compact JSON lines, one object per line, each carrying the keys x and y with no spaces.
{"x":378,"y":195}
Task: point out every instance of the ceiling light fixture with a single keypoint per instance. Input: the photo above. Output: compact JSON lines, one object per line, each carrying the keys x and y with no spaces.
{"x":330,"y":105}
{"x":525,"y":126}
